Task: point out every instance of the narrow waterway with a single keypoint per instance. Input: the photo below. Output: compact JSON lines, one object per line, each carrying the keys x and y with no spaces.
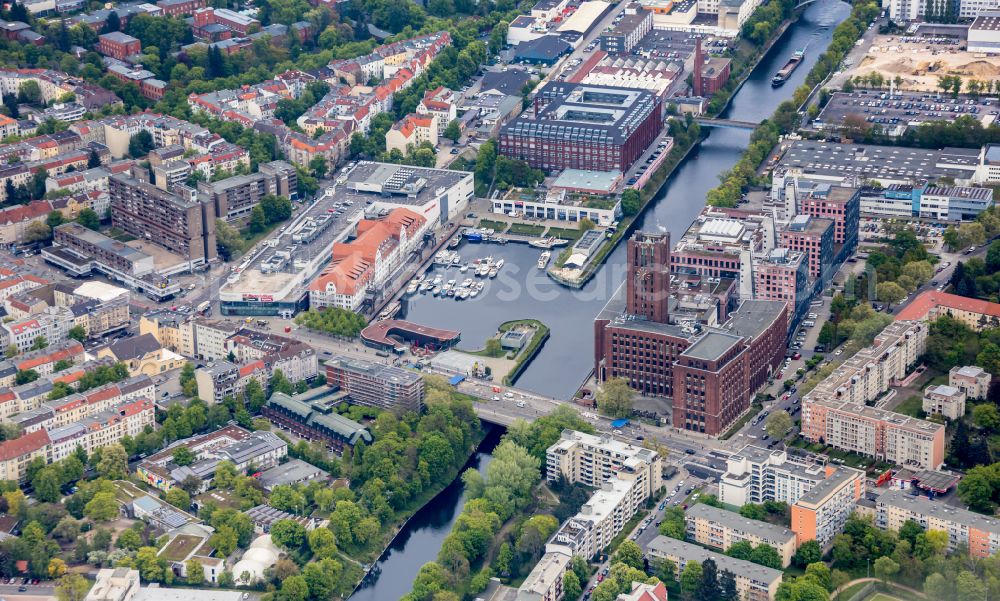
{"x":522,"y":290}
{"x":423,"y":535}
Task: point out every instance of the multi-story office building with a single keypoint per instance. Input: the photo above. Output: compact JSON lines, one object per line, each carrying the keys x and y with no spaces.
{"x":376,"y":385}
{"x":177,"y":221}
{"x":584,"y":126}
{"x":821,"y":496}
{"x":783,"y":276}
{"x":977,"y":532}
{"x":590,"y":460}
{"x":843,"y":207}
{"x":836,"y":411}
{"x":719,"y":528}
{"x":709,"y":370}
{"x":974,"y":381}
{"x":623,"y":37}
{"x":813,"y":237}
{"x":753,"y":582}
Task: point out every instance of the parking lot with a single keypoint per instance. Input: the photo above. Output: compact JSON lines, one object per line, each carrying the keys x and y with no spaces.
{"x":903,"y":109}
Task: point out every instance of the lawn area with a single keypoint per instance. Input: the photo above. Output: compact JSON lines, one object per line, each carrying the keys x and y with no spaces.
{"x":496,"y":226}
{"x":565,"y":233}
{"x":526,"y":229}
{"x":883,"y":597}
{"x":912,"y":406}
{"x":850,"y":591}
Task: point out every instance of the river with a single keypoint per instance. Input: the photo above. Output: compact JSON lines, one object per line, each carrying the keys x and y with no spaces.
{"x":424,"y":534}
{"x":523,"y":291}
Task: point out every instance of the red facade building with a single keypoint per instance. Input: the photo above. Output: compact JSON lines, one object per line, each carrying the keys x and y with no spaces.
{"x":118,"y":45}
{"x":582,"y":126}
{"x":710,"y":373}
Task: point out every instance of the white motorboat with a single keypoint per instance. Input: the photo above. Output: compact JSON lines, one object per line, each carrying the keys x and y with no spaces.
{"x":464,"y":268}
{"x":494,"y":272}
{"x":499,"y":264}
{"x":437,"y":291}
{"x":543,"y":259}
{"x":467,"y":283}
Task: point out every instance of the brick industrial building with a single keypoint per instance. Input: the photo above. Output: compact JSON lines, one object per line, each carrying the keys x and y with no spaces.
{"x":581,"y":126}
{"x":710,"y":372}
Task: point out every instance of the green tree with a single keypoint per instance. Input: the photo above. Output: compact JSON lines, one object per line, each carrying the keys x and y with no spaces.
{"x":178,"y":497}
{"x":72,"y":587}
{"x":183,"y":456}
{"x":690,"y":579}
{"x":195,"y":572}
{"x":630,"y":554}
{"x":885,"y":568}
{"x":778,"y":424}
{"x":78,"y":333}
{"x":102,"y":507}
{"x":889,"y":292}
{"x":46,"y":484}
{"x":89,"y":218}
{"x":140,"y":144}
{"x":766,"y":555}
{"x":631,"y":202}
{"x":294,"y":588}
{"x":453,"y":132}
{"x":114,"y":462}
{"x":571,"y":586}
{"x":986,"y":416}
{"x":615,"y":398}
{"x":129,"y":540}
{"x":288,"y":534}
{"x":809,"y":552}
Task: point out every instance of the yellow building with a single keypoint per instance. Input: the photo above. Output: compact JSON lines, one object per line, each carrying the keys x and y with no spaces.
{"x":143,"y":355}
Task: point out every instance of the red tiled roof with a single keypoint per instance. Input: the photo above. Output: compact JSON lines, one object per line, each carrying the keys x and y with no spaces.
{"x":23,"y":445}
{"x":250,"y":368}
{"x":922,"y":305}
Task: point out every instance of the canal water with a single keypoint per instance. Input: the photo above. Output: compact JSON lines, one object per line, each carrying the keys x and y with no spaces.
{"x":522,"y":290}
{"x":423,"y":535}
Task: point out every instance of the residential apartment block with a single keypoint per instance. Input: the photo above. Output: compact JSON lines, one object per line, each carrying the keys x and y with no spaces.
{"x":591,"y":460}
{"x":837,"y":413}
{"x":821,"y":496}
{"x":719,"y":528}
{"x":220,"y":379}
{"x":979,"y":533}
{"x":945,"y":400}
{"x":753,"y":582}
{"x":929,"y":305}
{"x":974,"y":381}
{"x":179,"y":221}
